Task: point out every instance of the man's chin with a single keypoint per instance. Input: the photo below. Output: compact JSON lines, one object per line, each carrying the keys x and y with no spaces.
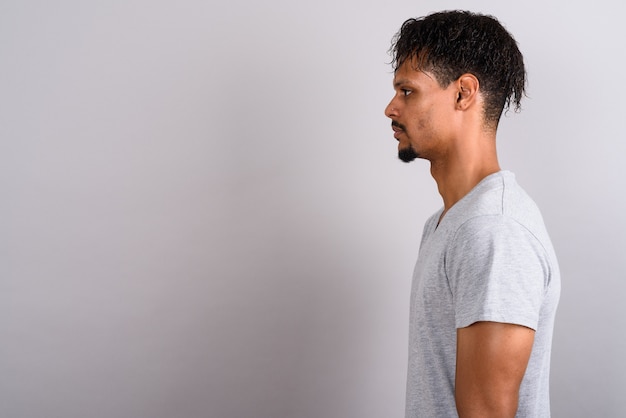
{"x":407,"y":154}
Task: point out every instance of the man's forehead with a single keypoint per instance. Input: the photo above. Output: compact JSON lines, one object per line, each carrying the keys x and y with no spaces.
{"x":403,"y":74}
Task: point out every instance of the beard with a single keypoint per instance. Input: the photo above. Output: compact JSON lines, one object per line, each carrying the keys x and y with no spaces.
{"x":407,"y":154}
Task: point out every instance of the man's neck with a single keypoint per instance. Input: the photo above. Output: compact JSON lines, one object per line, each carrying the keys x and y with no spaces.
{"x":463,"y":169}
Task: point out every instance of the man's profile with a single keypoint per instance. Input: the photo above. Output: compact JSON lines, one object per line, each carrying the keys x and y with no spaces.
{"x":486,"y":283}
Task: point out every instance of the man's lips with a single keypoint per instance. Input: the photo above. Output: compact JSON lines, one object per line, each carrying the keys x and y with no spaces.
{"x":398,"y":129}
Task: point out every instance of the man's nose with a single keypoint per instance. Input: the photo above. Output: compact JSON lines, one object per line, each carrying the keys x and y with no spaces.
{"x":390,"y":110}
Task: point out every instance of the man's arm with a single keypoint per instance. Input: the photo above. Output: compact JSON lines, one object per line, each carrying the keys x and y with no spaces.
{"x":490,"y":364}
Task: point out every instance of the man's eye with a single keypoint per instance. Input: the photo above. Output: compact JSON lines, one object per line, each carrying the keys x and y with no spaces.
{"x":405,"y":92}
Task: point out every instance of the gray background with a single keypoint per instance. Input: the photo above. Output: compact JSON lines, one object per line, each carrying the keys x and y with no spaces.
{"x":203,"y":215}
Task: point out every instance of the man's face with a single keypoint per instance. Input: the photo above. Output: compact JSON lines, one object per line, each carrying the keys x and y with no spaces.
{"x":421,"y":113}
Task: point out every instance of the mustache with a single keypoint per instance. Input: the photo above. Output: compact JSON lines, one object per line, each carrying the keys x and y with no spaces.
{"x":397,"y":125}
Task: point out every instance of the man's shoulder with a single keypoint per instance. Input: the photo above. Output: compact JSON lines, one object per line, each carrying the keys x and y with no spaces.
{"x":497,"y":197}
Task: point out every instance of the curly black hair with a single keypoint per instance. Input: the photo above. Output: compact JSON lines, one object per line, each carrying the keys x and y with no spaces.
{"x":452,"y":43}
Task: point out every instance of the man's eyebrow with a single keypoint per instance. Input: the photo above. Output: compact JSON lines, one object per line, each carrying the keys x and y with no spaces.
{"x":398,"y":83}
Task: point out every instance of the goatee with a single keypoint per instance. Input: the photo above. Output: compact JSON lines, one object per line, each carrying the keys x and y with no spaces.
{"x":407,"y":154}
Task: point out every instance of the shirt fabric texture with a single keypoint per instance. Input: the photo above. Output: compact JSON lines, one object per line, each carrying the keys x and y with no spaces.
{"x":489,"y":259}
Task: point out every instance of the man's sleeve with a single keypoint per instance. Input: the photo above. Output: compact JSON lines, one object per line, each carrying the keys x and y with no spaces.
{"x":497,"y":271}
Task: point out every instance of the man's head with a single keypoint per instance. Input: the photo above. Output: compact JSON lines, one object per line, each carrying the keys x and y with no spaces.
{"x":452,"y":43}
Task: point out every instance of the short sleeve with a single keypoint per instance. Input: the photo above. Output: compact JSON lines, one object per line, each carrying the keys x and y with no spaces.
{"x":497,"y":271}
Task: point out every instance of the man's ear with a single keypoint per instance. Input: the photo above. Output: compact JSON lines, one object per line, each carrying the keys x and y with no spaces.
{"x":467,"y":91}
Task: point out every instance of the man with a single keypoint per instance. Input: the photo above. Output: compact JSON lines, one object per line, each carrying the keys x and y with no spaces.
{"x":486,"y":284}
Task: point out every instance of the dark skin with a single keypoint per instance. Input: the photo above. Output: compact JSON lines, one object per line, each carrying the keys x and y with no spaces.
{"x":491,"y":361}
{"x":446,"y":126}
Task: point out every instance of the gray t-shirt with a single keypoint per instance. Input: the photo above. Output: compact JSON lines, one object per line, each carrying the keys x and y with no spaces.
{"x":490,"y":259}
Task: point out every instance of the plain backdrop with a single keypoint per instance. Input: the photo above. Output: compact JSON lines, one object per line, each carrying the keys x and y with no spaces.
{"x":202,"y":213}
